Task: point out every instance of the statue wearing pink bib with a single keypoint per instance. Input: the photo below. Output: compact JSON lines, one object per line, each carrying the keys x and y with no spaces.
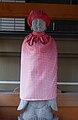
{"x":38,"y":76}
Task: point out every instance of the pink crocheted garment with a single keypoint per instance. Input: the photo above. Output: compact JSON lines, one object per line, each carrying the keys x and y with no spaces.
{"x":38,"y":80}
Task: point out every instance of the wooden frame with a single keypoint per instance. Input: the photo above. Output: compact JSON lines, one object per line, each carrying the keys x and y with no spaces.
{"x":55,"y":11}
{"x":68,"y":103}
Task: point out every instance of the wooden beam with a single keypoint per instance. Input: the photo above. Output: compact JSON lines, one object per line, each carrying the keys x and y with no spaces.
{"x":55,"y":11}
{"x":63,"y":99}
{"x":67,"y":99}
{"x":9,"y":99}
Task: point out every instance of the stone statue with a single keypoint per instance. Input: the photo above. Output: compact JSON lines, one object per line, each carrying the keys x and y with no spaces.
{"x":38,"y":75}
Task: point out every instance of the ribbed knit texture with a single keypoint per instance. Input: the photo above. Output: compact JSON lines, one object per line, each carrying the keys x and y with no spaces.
{"x":38,"y":80}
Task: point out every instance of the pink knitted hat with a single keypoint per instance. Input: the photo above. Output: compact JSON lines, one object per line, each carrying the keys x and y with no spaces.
{"x":38,"y":14}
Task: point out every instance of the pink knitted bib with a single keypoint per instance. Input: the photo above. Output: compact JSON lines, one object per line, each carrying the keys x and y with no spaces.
{"x":38,"y":80}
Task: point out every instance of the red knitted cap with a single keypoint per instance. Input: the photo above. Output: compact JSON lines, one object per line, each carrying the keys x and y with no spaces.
{"x":38,"y":14}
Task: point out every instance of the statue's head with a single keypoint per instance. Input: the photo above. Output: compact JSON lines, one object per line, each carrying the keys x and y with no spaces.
{"x":38,"y":20}
{"x":38,"y":25}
